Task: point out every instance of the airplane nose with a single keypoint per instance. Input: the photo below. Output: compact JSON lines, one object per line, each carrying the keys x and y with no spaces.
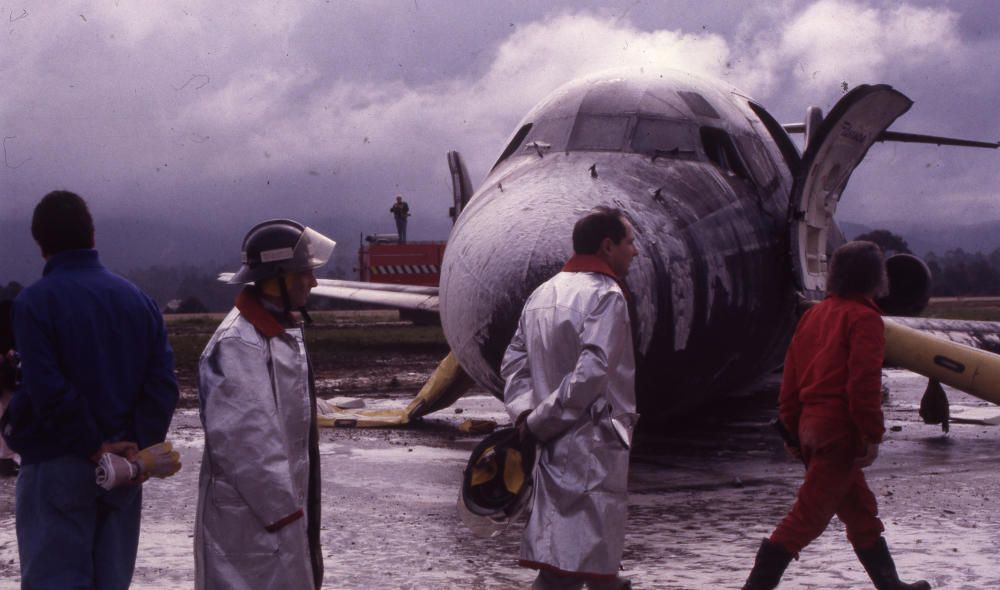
{"x":504,"y":245}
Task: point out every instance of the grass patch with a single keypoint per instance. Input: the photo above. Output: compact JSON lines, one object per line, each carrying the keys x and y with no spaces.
{"x":374,"y":338}
{"x":187,"y":349}
{"x":210,"y":321}
{"x":193,"y":321}
{"x":986,"y":309}
{"x":334,"y":333}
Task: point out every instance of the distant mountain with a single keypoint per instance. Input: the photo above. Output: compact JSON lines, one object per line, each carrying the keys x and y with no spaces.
{"x":124,"y":245}
{"x":923,"y":238}
{"x":128,"y":245}
{"x":20,"y":259}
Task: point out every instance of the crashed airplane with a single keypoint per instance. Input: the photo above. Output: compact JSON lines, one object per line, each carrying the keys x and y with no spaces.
{"x":733,"y":227}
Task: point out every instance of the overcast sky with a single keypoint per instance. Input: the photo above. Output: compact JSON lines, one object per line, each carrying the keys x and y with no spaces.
{"x":215,"y":113}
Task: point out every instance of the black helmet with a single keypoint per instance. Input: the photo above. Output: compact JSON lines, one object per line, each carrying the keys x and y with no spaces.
{"x":278,"y":246}
{"x":497,"y":483}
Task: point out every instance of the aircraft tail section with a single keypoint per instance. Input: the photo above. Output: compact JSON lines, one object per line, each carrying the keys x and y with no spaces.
{"x":461,"y":186}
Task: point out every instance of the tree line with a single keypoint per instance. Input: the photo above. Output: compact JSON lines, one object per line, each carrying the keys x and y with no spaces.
{"x":956,"y":273}
{"x":190,"y":289}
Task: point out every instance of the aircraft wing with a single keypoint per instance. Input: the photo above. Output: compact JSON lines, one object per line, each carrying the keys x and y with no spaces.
{"x":399,"y":296}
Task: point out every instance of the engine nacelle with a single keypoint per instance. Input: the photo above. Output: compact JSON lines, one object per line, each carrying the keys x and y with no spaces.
{"x":909,"y":286}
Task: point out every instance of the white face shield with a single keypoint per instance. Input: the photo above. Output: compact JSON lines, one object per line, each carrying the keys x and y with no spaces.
{"x":486,"y":526}
{"x":313,"y":250}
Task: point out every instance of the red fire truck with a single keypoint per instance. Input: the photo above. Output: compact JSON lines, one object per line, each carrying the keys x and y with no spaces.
{"x":381,"y":259}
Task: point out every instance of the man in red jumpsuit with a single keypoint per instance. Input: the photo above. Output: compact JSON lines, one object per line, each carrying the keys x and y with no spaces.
{"x":831,"y":395}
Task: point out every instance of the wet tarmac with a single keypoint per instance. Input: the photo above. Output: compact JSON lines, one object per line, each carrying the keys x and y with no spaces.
{"x":702,"y":494}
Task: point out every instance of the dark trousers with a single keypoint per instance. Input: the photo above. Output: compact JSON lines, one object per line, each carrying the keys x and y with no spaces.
{"x":834,"y":484}
{"x":401,"y":229}
{"x":71,"y":533}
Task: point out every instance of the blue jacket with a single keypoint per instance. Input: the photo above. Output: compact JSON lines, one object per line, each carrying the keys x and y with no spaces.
{"x":95,"y":361}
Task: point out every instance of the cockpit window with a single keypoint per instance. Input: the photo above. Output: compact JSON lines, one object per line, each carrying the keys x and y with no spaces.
{"x":757,"y":159}
{"x":599,"y":132}
{"x":721,"y":150}
{"x":698,"y":104}
{"x":515,"y":143}
{"x":664,"y":138}
{"x":548,"y":132}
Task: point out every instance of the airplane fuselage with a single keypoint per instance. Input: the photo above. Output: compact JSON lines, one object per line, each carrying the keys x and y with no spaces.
{"x":703,"y":175}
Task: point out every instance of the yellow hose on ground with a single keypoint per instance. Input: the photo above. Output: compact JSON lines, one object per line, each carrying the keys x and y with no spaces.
{"x":965,"y":368}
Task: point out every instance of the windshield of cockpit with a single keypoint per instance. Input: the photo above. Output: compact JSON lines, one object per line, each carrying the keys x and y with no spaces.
{"x":648,"y":135}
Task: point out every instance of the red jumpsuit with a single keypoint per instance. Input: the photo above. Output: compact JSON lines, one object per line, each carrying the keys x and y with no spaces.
{"x":831,"y":394}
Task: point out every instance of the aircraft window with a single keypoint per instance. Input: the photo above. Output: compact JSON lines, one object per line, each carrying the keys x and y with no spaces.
{"x":515,"y":143}
{"x":551,"y":132}
{"x":722,"y":152}
{"x":596,"y":132}
{"x":664,"y":138}
{"x":698,"y":104}
{"x":758,"y":160}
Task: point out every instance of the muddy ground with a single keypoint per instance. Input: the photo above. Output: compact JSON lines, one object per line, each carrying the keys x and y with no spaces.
{"x":702,"y":494}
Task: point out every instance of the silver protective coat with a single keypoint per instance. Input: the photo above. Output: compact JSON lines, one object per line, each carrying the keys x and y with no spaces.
{"x":255,"y":408}
{"x":571,"y":362}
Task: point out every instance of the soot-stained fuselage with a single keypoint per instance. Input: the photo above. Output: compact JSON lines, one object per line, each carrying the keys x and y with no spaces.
{"x":703,"y":174}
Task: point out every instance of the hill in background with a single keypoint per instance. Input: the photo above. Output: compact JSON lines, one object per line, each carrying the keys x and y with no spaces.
{"x":923,"y":238}
{"x":172,"y":261}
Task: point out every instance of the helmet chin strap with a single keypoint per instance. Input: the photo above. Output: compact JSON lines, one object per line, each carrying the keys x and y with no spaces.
{"x":286,"y":301}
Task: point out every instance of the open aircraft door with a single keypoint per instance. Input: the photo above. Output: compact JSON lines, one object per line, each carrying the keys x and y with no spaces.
{"x":461,"y":186}
{"x":835,"y":149}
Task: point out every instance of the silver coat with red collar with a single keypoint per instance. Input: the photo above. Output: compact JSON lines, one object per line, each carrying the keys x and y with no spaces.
{"x":572,"y":364}
{"x":257,"y":413}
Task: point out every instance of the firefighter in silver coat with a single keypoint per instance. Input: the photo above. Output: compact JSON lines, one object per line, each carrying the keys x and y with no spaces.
{"x":570,"y":385}
{"x":257,"y":524}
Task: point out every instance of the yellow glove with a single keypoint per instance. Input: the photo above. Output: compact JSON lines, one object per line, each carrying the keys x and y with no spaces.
{"x":159,"y":460}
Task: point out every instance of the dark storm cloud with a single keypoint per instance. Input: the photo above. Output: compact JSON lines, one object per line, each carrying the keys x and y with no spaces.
{"x":212,"y":115}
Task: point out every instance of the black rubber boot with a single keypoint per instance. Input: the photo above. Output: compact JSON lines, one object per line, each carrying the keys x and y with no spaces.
{"x":771,"y":561}
{"x":881,"y":569}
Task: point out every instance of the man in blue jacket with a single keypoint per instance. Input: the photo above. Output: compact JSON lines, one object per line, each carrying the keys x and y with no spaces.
{"x":97,"y":377}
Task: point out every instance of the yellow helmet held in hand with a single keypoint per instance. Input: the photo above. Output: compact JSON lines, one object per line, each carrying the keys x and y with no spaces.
{"x":497,"y":483}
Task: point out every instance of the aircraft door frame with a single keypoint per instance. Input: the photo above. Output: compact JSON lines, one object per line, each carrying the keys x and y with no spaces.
{"x":461,"y":186}
{"x":837,"y":147}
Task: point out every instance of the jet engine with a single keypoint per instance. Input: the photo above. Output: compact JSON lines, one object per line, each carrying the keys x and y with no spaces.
{"x":909,"y":286}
